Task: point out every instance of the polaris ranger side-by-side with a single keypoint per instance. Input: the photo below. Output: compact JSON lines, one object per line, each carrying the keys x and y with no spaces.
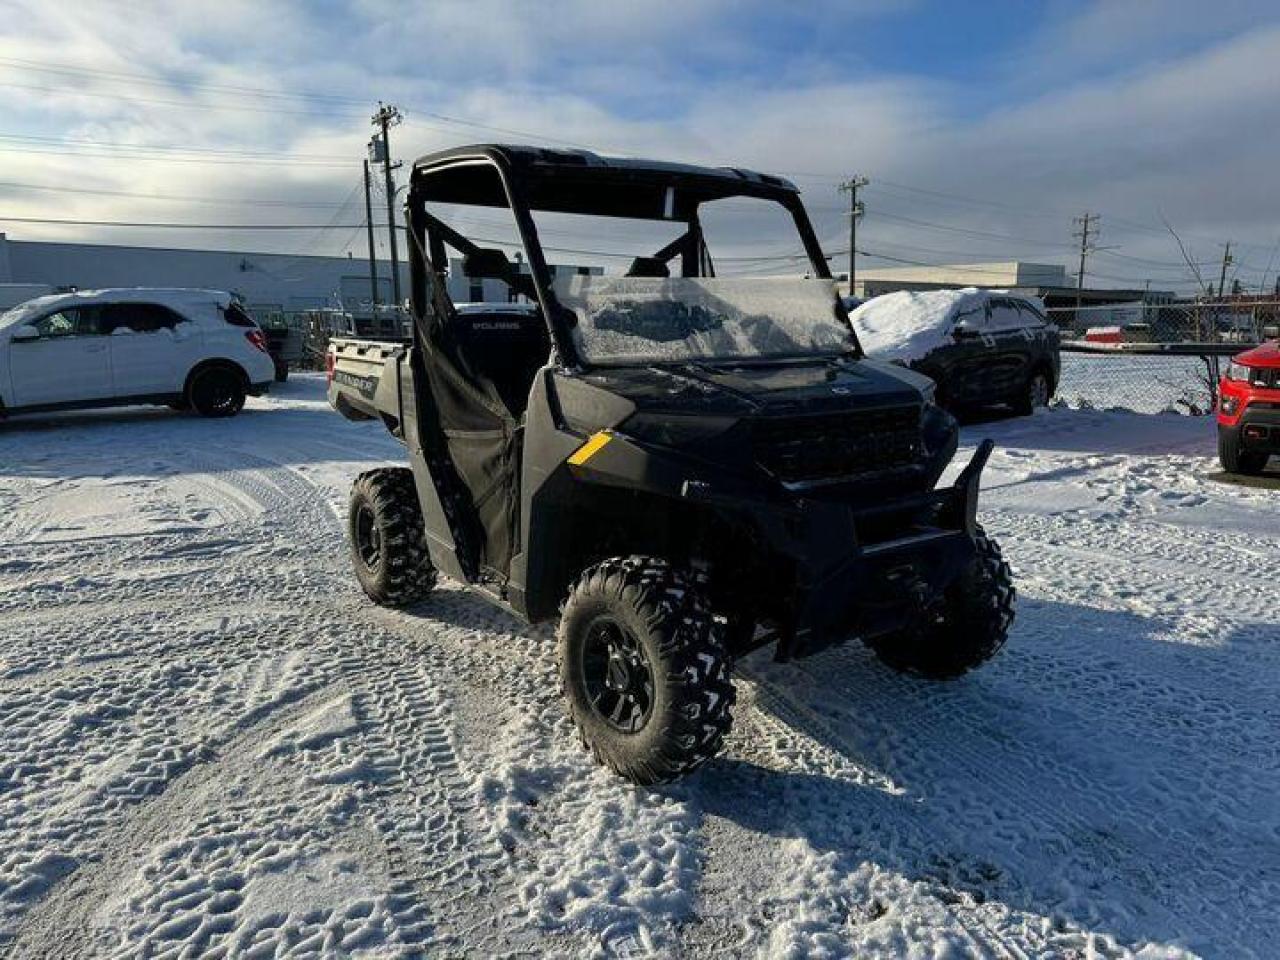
{"x":682,"y":466}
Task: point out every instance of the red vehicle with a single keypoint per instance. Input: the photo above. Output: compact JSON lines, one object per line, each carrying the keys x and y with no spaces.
{"x":1249,"y":409}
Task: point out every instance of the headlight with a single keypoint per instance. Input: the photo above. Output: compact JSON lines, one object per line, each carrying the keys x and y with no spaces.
{"x":1238,"y":371}
{"x":675,"y":430}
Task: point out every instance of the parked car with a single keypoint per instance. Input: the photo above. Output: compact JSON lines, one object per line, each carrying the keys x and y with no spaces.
{"x":982,"y":347}
{"x":1249,"y":409}
{"x":196,"y":349}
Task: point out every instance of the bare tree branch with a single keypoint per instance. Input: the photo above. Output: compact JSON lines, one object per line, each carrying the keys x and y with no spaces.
{"x":1195,"y":270}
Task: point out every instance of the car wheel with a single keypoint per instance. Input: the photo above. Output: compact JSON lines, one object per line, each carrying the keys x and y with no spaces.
{"x":1235,"y":460}
{"x":217,"y":392}
{"x":1036,"y":393}
{"x":644,"y":669}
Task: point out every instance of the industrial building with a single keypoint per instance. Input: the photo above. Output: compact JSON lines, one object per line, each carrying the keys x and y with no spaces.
{"x":1048,"y":281}
{"x":268,"y":282}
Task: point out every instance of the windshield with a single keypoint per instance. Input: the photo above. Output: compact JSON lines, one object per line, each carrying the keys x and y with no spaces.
{"x":15,"y":316}
{"x":626,"y":320}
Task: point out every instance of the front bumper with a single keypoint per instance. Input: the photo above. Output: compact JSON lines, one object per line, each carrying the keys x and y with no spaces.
{"x":1256,"y":429}
{"x":866,"y":571}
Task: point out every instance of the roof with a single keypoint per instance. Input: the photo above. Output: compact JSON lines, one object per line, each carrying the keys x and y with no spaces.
{"x":579,"y":181}
{"x":176,"y":296}
{"x":578,"y":160}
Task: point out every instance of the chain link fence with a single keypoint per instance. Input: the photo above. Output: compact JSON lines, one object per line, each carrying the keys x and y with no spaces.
{"x":1155,"y":358}
{"x":1242,"y":320}
{"x":1141,"y":382}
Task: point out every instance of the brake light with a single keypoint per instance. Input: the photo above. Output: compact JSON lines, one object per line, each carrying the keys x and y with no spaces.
{"x":329,"y":361}
{"x":258,"y":339}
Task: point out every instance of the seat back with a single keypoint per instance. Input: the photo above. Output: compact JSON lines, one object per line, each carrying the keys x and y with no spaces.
{"x":502,"y":349}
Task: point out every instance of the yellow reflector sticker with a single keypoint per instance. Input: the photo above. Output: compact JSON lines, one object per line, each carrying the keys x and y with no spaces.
{"x":595,"y":443}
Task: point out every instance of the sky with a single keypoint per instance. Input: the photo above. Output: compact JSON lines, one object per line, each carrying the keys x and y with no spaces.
{"x":984,"y":128}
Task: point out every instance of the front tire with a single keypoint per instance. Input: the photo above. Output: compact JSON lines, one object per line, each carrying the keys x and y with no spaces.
{"x":969,"y":628}
{"x":217,"y":392}
{"x":387,"y":538}
{"x":644,"y":669}
{"x":1235,"y":460}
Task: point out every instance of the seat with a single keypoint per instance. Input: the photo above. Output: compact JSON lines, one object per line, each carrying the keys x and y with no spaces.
{"x":502,"y":351}
{"x":648,"y":267}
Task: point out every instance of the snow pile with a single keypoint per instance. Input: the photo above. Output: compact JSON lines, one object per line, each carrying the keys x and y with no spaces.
{"x":907,"y":325}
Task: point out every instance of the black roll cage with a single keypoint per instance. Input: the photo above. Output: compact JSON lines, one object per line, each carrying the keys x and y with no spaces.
{"x":519,"y":169}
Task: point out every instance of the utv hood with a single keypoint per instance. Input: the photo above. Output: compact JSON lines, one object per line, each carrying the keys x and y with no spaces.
{"x":747,"y":389}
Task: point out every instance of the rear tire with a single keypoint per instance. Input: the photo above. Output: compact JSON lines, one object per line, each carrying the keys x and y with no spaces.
{"x":644,"y":669}
{"x":387,"y":538}
{"x":1235,"y":460}
{"x":217,"y":392}
{"x":1037,"y":392}
{"x":971,"y":628}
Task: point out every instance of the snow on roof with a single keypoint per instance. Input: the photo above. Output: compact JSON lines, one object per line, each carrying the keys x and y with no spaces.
{"x":170,"y":296}
{"x":908,"y":324}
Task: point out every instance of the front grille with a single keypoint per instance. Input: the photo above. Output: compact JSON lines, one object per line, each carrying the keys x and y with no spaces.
{"x":835,"y":446}
{"x":1265,"y":377}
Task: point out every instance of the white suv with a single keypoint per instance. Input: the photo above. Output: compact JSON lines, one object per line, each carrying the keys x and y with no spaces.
{"x":95,"y":348}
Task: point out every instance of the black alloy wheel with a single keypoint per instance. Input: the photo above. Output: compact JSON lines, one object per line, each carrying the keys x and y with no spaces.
{"x":617,"y":676}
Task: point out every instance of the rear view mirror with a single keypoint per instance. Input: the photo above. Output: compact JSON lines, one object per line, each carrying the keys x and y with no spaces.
{"x":24,"y":332}
{"x":487,"y":265}
{"x":962,"y":331}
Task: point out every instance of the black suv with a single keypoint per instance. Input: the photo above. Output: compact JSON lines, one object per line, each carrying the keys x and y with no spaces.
{"x":983,"y":348}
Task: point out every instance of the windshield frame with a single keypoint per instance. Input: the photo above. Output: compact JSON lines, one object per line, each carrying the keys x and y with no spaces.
{"x":430,"y":298}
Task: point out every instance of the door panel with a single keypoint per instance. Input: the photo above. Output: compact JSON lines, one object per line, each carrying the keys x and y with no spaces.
{"x":968,"y":358}
{"x":1010,"y":349}
{"x":144,"y":348}
{"x":70,"y":362}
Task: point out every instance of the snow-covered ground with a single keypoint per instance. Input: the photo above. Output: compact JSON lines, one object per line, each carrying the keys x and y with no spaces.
{"x":212,"y":744}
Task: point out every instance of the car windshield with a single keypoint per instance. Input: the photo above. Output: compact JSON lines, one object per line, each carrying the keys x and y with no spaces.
{"x":24,"y":312}
{"x":627,"y":320}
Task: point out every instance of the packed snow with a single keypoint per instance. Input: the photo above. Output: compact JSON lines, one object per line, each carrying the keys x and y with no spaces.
{"x":211,"y":744}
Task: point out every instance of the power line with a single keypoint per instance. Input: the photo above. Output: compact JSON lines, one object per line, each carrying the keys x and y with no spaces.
{"x":168,"y":148}
{"x":176,"y":198}
{"x":966,"y":231}
{"x":179,"y":226}
{"x":258,"y":93}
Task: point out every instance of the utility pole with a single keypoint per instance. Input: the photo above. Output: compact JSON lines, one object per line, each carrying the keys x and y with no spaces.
{"x":1226,"y":262}
{"x":1085,"y":222}
{"x":387,"y":117}
{"x":856,"y":209}
{"x":368,"y":222}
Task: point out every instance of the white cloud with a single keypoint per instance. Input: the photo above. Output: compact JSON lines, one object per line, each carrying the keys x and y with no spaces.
{"x":1124,"y":111}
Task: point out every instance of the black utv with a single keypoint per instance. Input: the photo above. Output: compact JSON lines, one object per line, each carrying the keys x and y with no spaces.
{"x":682,"y":466}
